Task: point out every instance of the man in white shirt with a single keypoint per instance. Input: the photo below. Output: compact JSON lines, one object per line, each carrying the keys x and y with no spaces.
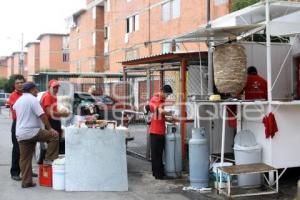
{"x":29,"y":130}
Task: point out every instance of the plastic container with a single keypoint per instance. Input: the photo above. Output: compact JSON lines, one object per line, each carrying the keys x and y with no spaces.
{"x":58,"y":168}
{"x":45,"y":175}
{"x":216,"y":175}
{"x":247,"y":151}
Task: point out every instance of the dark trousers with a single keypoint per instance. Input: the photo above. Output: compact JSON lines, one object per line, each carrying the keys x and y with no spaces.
{"x":15,"y":156}
{"x":157,"y":149}
{"x":27,"y":148}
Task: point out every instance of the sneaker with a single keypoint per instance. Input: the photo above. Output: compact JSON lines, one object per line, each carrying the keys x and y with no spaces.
{"x":28,"y":185}
{"x":16,"y":178}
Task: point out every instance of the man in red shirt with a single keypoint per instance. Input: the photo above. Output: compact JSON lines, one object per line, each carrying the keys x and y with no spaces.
{"x":256,"y":86}
{"x":49,"y":105}
{"x":158,"y":129}
{"x":15,"y":167}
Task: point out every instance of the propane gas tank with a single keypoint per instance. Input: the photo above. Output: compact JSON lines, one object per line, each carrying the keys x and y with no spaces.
{"x":173,"y":159}
{"x":198,"y":159}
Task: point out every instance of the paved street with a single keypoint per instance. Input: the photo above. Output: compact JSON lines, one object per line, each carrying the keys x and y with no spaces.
{"x":141,"y":184}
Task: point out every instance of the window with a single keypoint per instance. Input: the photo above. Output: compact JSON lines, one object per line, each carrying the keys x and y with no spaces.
{"x":132,"y":23}
{"x":107,"y":5}
{"x":77,"y":66}
{"x":106,"y":46}
{"x":106,"y":33}
{"x":106,"y":62}
{"x":94,"y":38}
{"x":170,"y":10}
{"x":132,"y":54}
{"x":66,"y":56}
{"x":94,"y":12}
{"x":92,"y":64}
{"x":78,"y":44}
{"x":168,"y":47}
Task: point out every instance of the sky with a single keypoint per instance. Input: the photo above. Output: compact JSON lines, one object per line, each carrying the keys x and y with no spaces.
{"x":32,"y":18}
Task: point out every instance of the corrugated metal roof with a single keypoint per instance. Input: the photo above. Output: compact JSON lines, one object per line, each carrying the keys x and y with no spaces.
{"x":88,"y":74}
{"x":165,"y":58}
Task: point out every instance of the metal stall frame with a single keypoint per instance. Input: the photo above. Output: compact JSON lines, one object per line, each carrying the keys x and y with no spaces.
{"x":168,"y":62}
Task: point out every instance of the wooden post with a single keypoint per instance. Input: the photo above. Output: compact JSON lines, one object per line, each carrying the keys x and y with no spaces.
{"x":125,"y":85}
{"x":183,"y":114}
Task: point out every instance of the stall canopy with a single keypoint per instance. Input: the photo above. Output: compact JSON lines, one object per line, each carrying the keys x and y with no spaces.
{"x":284,"y":18}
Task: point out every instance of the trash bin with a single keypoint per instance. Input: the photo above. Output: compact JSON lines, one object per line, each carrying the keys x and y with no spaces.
{"x":247,"y":151}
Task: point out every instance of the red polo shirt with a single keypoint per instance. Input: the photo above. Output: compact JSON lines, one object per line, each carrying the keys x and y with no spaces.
{"x":15,"y":95}
{"x":157,"y":121}
{"x":49,"y":100}
{"x":256,"y":88}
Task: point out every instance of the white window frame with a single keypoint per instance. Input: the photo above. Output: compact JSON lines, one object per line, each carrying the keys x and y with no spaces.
{"x":132,"y":23}
{"x":78,"y":67}
{"x":107,"y":5}
{"x":94,"y":38}
{"x":94,"y":12}
{"x":171,"y":7}
{"x":78,"y":44}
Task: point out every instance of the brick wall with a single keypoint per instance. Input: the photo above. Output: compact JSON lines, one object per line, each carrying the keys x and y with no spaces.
{"x":152,"y":27}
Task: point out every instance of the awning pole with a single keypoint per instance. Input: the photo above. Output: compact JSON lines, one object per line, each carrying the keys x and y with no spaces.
{"x":182,"y":104}
{"x":269,"y":69}
{"x":269,"y":73}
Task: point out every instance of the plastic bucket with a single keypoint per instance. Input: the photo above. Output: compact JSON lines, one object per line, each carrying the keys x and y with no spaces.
{"x":58,"y":169}
{"x":216,"y":175}
{"x":248,"y":155}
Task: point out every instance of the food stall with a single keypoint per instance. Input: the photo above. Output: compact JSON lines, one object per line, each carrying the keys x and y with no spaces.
{"x":278,"y":63}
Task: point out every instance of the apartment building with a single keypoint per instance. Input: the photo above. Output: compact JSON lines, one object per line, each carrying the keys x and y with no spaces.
{"x":3,"y":67}
{"x":137,"y":28}
{"x":54,"y":52}
{"x":87,"y":39}
{"x":20,"y":63}
{"x":33,"y":58}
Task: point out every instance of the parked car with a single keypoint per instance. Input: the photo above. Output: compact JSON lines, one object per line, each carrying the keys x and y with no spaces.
{"x":4,"y":98}
{"x":111,"y":109}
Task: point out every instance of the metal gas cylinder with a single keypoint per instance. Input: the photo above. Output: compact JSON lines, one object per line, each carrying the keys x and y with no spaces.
{"x":173,"y":159}
{"x":198,"y":159}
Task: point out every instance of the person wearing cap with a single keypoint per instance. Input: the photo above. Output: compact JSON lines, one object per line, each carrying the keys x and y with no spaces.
{"x":49,"y":105}
{"x":15,"y":95}
{"x":29,"y":130}
{"x":158,"y":129}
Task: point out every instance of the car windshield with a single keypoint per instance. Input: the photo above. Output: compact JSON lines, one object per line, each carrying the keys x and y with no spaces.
{"x":106,"y":100}
{"x":84,"y":97}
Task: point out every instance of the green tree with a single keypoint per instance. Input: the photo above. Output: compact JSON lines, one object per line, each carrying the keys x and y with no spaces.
{"x":2,"y":83}
{"x":239,"y":4}
{"x":9,"y":86}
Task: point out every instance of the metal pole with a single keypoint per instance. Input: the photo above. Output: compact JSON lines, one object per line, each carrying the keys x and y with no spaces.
{"x":210,"y":56}
{"x":183,"y":113}
{"x":148,"y":86}
{"x":269,"y":71}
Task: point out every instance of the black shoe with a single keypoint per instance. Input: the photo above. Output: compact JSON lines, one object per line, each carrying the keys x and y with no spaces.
{"x":28,"y":185}
{"x":34,"y":174}
{"x":16,"y":178}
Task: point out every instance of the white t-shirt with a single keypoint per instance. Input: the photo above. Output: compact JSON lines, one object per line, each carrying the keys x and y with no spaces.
{"x":28,"y":111}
